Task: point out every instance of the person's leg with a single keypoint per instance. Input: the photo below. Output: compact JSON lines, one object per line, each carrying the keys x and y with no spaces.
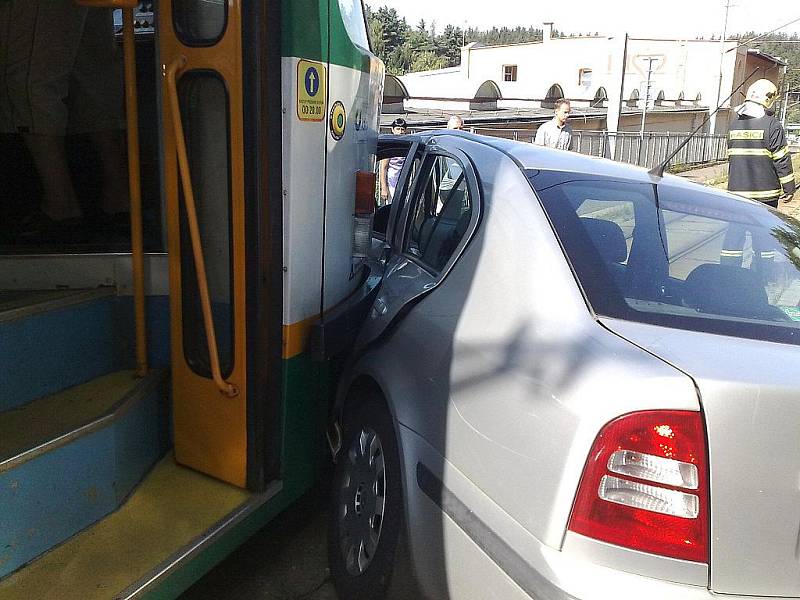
{"x":110,"y":145}
{"x":49,"y":154}
{"x":40,"y":46}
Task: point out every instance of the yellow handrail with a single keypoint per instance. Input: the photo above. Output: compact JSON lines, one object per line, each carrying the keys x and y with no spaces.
{"x":134,"y":184}
{"x":135,"y":190}
{"x":225,"y":387}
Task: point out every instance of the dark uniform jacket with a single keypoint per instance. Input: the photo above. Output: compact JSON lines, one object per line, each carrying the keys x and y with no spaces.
{"x":760,"y":166}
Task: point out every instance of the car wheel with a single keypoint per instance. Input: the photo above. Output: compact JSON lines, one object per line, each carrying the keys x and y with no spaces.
{"x":366,"y":512}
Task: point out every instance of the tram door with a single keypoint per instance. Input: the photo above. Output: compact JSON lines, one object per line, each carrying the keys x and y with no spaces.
{"x":200,"y":43}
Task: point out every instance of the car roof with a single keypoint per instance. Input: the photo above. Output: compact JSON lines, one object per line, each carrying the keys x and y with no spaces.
{"x":531,"y":156}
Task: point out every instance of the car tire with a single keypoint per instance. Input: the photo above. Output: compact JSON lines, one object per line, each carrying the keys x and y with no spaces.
{"x":363,"y":545}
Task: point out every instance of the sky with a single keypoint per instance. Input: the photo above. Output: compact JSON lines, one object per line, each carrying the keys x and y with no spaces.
{"x":665,"y":18}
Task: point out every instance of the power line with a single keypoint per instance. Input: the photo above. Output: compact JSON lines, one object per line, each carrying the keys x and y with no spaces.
{"x":758,"y":37}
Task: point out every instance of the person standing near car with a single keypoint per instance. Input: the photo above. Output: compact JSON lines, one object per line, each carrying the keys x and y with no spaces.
{"x":455,"y":122}
{"x":390,"y":167}
{"x":759,"y":164}
{"x":556,"y":133}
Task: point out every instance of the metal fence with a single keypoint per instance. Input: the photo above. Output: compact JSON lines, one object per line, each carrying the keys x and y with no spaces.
{"x":631,"y":147}
{"x":653,"y":148}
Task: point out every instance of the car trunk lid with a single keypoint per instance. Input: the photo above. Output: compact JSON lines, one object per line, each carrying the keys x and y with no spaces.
{"x":750,"y":395}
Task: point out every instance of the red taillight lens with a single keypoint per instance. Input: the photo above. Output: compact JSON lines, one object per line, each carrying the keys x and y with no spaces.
{"x":365,"y":193}
{"x":645,"y":485}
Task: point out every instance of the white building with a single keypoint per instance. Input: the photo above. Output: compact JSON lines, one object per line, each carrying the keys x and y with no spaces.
{"x":586,"y":70}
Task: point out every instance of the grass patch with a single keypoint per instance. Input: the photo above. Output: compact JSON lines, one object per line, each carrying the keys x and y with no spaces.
{"x":722,"y":182}
{"x":676,"y":169}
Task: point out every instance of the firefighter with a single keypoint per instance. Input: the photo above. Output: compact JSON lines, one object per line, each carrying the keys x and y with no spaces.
{"x":759,"y":164}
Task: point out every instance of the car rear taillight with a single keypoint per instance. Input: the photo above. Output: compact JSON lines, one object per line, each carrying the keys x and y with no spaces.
{"x":645,"y":485}
{"x":364,"y":213}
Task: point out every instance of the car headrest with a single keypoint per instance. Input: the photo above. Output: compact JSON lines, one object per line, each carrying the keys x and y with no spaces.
{"x":455,"y":204}
{"x":726,"y":290}
{"x":607,"y":238}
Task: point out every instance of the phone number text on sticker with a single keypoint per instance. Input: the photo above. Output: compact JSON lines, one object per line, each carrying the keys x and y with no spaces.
{"x":311,"y":92}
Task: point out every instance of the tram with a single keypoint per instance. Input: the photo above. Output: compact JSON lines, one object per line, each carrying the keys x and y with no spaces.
{"x":159,"y":399}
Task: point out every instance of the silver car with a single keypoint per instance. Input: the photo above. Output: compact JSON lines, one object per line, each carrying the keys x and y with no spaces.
{"x":573,"y":380}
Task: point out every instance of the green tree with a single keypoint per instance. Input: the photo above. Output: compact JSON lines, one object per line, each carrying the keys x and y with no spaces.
{"x":787,"y":47}
{"x":389,"y":34}
{"x":420,"y":41}
{"x":399,"y":61}
{"x":449,"y":44}
{"x":428,"y":61}
{"x":395,"y":30}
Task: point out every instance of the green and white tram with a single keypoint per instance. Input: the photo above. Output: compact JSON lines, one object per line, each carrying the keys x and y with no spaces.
{"x":158,"y":399}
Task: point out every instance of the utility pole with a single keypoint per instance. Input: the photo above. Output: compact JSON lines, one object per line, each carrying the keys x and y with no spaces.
{"x":650,"y":60}
{"x":713,"y":125}
{"x":619,"y":48}
{"x":789,"y":104}
{"x":785,"y":96}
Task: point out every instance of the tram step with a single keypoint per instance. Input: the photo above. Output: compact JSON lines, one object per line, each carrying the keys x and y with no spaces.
{"x":171,"y":519}
{"x":69,"y":459}
{"x":54,"y":339}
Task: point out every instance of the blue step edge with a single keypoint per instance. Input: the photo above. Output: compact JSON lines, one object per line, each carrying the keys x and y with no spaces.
{"x":50,"y":351}
{"x":74,"y":483}
{"x":46,"y":352}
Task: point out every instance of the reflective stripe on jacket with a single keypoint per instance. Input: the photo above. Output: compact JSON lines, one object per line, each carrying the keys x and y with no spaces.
{"x":759,"y":166}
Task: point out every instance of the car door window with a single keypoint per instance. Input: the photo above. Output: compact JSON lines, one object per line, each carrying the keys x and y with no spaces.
{"x":440,"y":214}
{"x":395,"y":177}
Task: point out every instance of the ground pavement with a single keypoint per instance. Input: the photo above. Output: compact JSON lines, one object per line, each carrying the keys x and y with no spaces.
{"x":717,"y":175}
{"x":286,"y":560}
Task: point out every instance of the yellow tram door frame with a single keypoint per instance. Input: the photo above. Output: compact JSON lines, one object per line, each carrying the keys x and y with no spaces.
{"x":202,"y":51}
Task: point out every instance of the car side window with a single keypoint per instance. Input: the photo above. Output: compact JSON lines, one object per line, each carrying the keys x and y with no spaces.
{"x":390,"y":188}
{"x":441,"y":212}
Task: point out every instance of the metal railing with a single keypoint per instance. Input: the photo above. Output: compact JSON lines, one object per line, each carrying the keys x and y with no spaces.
{"x":655,"y":147}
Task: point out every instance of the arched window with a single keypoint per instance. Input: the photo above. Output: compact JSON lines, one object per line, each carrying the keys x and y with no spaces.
{"x":600,"y":98}
{"x":633,"y":101}
{"x":554,"y":93}
{"x":486,"y":96}
{"x":698,"y":99}
{"x":660,"y":98}
{"x":393,"y":90}
{"x":488,"y":92}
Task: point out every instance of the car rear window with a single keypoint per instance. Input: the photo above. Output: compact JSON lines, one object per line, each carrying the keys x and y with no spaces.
{"x":671,"y":255}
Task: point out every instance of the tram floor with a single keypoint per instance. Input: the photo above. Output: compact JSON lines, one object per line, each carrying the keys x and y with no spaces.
{"x":286,"y":560}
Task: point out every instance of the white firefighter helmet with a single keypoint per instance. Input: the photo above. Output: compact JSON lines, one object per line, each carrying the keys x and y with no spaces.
{"x":762,"y":92}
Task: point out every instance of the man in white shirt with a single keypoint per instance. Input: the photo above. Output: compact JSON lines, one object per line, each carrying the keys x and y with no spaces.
{"x":455,"y":122}
{"x":556,"y":133}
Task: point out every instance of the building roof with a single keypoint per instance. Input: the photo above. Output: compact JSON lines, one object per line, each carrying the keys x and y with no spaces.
{"x":776,"y":59}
